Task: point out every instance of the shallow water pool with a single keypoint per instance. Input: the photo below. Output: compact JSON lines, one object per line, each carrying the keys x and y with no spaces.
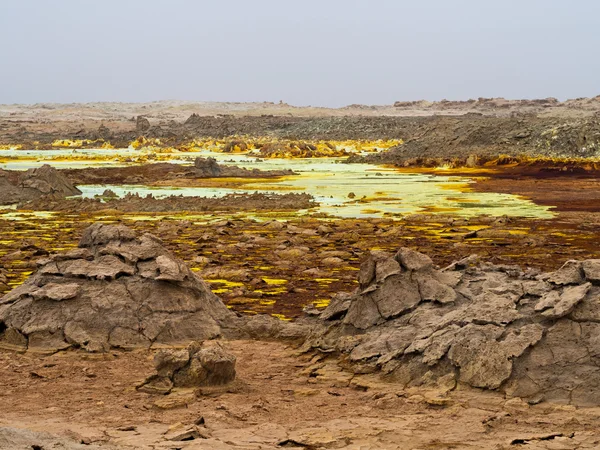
{"x":342,"y":190}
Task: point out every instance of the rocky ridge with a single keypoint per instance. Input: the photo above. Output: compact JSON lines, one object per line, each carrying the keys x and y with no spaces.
{"x":444,"y":137}
{"x":162,"y":171}
{"x":176,"y":203}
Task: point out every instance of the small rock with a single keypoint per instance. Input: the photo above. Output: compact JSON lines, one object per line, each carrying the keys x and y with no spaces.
{"x":305,"y":392}
{"x":413,"y":260}
{"x":570,"y":273}
{"x":156,"y":385}
{"x":176,"y":400}
{"x":167,"y":362}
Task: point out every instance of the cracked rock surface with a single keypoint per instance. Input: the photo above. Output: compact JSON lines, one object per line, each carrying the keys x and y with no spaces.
{"x":117,"y":290}
{"x":528,"y":334}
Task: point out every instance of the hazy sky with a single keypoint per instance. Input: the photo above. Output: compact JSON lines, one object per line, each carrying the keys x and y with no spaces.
{"x":304,"y":52}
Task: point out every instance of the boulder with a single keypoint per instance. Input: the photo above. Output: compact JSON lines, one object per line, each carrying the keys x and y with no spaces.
{"x":141,"y":124}
{"x":201,"y":364}
{"x":23,"y":439}
{"x":117,"y":290}
{"x":207,"y":167}
{"x":104,"y":132}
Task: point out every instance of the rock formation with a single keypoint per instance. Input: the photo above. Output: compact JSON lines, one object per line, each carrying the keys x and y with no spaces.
{"x":207,"y":167}
{"x":531,"y":335}
{"x":177,"y":203}
{"x":141,"y":124}
{"x":201,"y":364}
{"x":159,"y":172}
{"x":104,"y":132}
{"x":33,"y":184}
{"x":210,"y":168}
{"x":117,"y":290}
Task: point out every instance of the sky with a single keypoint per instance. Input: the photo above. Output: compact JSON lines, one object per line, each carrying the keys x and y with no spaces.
{"x":303,"y":52}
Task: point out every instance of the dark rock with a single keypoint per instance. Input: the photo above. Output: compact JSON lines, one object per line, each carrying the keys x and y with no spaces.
{"x":104,"y":132}
{"x":142,"y":124}
{"x":109,"y":193}
{"x":207,"y":167}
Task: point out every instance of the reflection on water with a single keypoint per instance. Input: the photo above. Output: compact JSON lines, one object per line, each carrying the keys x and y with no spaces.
{"x":343,"y":190}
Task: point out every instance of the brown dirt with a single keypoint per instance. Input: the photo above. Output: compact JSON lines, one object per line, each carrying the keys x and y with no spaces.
{"x":565,"y":194}
{"x":273,"y":404}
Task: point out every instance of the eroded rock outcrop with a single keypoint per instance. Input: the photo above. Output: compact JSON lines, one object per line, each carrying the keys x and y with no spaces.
{"x":161,"y":171}
{"x":117,"y":290}
{"x":532,"y":335}
{"x":34,"y":184}
{"x":210,"y":168}
{"x":201,"y":364}
{"x":141,"y":124}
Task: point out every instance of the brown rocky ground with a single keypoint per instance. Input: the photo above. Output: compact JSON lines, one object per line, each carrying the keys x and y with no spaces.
{"x":180,"y":110}
{"x":486,"y":127}
{"x":278,"y":267}
{"x":564,"y":194}
{"x":274,"y":404}
{"x":279,"y":401}
{"x":562,"y":189}
{"x":137,"y":204}
{"x":565,"y":186}
{"x":203,"y":168}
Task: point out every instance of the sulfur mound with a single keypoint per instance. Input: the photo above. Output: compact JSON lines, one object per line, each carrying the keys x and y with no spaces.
{"x":531,"y":335}
{"x":117,"y":290}
{"x":33,"y":184}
